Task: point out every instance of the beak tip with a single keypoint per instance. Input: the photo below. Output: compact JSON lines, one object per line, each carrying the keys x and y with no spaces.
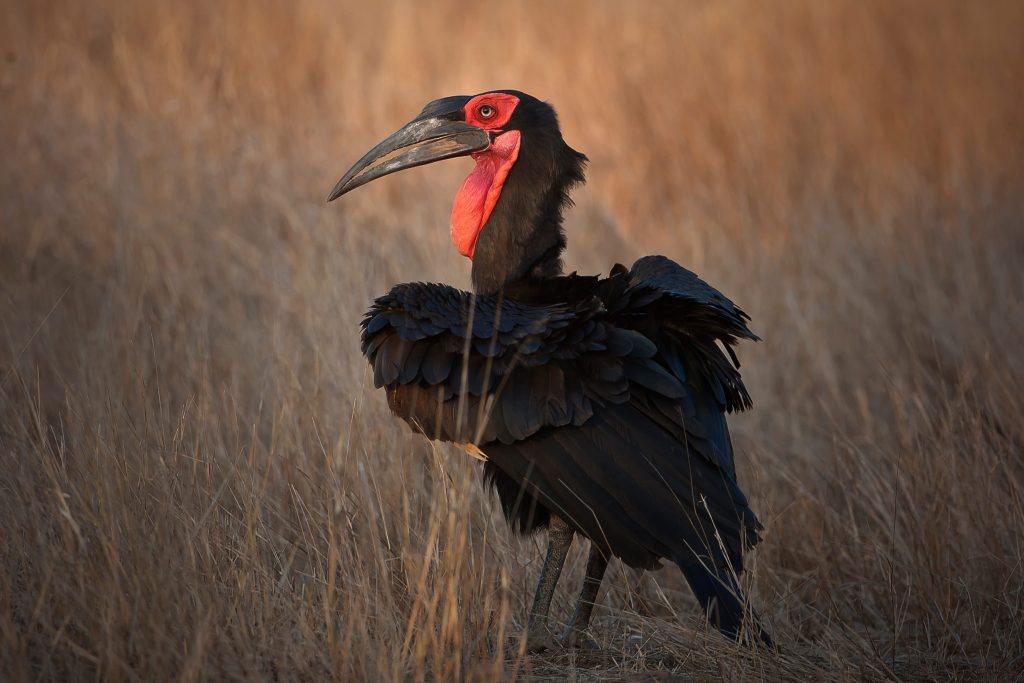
{"x":338,"y":190}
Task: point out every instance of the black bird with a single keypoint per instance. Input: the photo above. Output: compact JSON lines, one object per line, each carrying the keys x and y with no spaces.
{"x":597,"y":404}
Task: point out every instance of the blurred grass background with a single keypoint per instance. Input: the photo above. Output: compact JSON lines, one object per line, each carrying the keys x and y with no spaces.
{"x":198,"y":481}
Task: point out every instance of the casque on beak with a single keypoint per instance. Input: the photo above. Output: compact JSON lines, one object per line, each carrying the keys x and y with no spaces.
{"x":437,"y":133}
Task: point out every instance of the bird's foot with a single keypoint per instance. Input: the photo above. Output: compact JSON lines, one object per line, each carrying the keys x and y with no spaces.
{"x":577,"y":639}
{"x":540,"y":641}
{"x":539,"y":636}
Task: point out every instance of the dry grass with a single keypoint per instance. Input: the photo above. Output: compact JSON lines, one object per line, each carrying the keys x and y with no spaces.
{"x":198,"y":482}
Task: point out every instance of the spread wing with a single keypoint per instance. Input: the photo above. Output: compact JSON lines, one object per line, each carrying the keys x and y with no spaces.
{"x":692,"y":323}
{"x":476,"y":369}
{"x":608,"y":410}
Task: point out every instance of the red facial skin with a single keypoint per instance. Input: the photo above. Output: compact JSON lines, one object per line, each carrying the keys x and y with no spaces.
{"x":481,"y":190}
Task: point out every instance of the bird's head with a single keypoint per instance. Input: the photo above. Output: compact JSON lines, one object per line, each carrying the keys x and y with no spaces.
{"x":516,"y":143}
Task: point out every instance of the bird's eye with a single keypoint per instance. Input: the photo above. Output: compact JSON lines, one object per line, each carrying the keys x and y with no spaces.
{"x":486,"y":111}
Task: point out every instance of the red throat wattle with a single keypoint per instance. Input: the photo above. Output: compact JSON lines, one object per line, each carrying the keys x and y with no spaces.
{"x":481,"y":190}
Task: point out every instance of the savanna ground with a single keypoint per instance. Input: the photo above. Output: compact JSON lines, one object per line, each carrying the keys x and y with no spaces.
{"x":199,"y":483}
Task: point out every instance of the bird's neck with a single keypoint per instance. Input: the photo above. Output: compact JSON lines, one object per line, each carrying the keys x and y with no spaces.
{"x":512,"y":248}
{"x":523,"y":239}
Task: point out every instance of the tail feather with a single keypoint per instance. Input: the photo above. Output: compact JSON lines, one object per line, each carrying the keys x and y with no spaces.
{"x":722,"y":600}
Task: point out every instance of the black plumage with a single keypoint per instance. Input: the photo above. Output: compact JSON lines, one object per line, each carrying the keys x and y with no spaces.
{"x":573,"y":389}
{"x":598,"y":404}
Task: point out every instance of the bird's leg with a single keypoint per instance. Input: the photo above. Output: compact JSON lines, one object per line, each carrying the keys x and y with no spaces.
{"x":559,"y":539}
{"x":575,"y":635}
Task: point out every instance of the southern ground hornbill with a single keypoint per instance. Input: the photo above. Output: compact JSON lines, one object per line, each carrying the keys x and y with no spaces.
{"x":597,"y":404}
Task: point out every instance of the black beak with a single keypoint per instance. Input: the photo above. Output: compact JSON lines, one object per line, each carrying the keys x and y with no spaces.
{"x":432,"y":136}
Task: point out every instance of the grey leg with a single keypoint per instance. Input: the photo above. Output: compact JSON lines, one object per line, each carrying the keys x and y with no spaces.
{"x":559,"y":539}
{"x":575,"y":635}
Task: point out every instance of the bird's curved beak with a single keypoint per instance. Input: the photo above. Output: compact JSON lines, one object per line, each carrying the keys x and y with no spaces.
{"x":431,"y":136}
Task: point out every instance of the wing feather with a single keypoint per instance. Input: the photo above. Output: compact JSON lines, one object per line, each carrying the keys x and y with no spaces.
{"x":601,"y":400}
